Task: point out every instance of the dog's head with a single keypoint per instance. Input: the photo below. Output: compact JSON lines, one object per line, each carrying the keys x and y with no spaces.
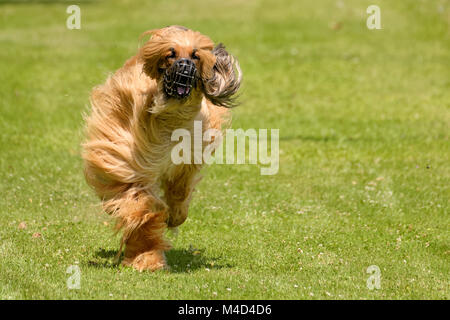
{"x":183,"y":61}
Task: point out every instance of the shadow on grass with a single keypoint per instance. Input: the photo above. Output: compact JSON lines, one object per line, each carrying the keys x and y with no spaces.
{"x":179,"y":260}
{"x":103,"y":259}
{"x":187,"y":260}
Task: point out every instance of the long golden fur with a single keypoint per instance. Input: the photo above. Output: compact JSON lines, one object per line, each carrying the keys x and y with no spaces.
{"x":128,"y":146}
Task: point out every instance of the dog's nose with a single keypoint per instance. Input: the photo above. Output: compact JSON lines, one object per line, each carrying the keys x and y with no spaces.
{"x":186,"y":68}
{"x":180,"y":78}
{"x":185,"y":63}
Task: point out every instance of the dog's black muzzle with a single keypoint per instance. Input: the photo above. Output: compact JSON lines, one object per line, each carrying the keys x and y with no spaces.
{"x":180,"y":78}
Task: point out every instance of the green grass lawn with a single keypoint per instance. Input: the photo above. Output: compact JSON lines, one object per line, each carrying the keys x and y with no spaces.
{"x":364,"y":118}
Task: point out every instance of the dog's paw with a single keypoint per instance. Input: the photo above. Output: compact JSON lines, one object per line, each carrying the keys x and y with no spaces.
{"x":177,"y":215}
{"x":150,"y":260}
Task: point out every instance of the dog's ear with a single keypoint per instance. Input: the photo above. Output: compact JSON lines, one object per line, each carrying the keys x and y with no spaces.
{"x":153,"y":52}
{"x":224,"y":80}
{"x":207,"y":62}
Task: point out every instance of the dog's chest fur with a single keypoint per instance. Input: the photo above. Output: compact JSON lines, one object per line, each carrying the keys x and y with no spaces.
{"x":184,"y":120}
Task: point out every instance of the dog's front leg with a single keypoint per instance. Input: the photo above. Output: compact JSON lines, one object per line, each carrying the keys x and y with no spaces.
{"x":178,"y":191}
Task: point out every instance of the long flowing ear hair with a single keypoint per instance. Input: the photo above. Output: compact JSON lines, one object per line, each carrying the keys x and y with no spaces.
{"x":151,"y":52}
{"x":221,"y":88}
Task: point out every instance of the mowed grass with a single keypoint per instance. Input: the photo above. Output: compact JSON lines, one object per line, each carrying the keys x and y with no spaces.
{"x":364,"y":153}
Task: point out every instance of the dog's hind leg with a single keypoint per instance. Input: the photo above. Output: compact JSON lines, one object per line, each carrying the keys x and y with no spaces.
{"x":145,"y":246}
{"x":142,"y":217}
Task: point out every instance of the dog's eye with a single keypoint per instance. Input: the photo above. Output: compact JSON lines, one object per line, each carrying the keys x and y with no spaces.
{"x":194,"y":55}
{"x":172,"y":53}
